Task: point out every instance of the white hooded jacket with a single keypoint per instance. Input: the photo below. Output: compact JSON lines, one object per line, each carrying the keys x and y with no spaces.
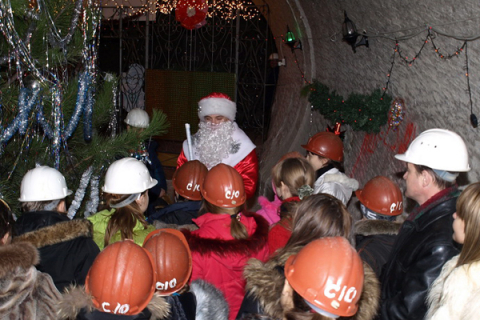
{"x":455,"y":294}
{"x":337,"y":184}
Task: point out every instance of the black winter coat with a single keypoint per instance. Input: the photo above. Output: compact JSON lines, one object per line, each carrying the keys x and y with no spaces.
{"x":421,"y":249}
{"x":66,"y":247}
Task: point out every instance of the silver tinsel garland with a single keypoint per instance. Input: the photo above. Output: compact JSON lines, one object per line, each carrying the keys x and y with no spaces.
{"x":80,"y":193}
{"x":92,"y":203}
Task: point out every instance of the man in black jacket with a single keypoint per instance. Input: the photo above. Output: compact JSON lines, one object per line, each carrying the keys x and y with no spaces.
{"x":66,"y":247}
{"x":424,"y":243}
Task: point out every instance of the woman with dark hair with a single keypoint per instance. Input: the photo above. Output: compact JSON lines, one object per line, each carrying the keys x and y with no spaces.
{"x":127,"y":182}
{"x":317,"y":216}
{"x":26,"y":293}
{"x":455,"y":294}
{"x":227,"y":236}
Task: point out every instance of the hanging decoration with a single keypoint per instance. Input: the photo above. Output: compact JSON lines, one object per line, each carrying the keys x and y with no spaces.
{"x":191,"y":13}
{"x":362,"y":112}
{"x":473,"y":117}
{"x":396,"y":113}
{"x":80,"y":193}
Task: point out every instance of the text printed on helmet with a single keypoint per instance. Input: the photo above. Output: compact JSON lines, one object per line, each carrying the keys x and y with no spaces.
{"x":195,"y":187}
{"x":232,"y":194}
{"x":332,"y":289}
{"x":120,"y":309}
{"x":396,"y":206}
{"x":160,"y":286}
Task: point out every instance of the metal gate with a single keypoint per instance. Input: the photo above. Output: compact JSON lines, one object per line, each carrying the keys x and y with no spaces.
{"x":238,"y":45}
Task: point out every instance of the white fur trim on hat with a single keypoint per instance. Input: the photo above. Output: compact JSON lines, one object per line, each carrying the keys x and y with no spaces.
{"x":221,"y":106}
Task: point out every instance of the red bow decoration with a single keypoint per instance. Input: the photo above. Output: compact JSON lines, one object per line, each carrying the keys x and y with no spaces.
{"x":191,"y":13}
{"x":336,"y":130}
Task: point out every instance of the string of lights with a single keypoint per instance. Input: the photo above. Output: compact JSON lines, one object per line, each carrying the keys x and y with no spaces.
{"x":223,"y":9}
{"x":429,"y":38}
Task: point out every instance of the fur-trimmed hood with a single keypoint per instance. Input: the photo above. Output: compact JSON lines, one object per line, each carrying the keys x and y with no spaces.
{"x":57,"y":233}
{"x":265,"y":283}
{"x":74,"y":299}
{"x":374,"y":227}
{"x":252,"y":244}
{"x":25,"y":293}
{"x":211,"y":303}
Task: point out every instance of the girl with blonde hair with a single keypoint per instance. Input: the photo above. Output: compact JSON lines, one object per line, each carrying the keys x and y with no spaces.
{"x":293,"y":179}
{"x":455,"y":294}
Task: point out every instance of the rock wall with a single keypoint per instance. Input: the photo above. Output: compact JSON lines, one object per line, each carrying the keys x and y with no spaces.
{"x":434,"y":88}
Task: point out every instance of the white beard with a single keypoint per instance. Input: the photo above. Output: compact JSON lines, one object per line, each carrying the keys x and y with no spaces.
{"x":213,"y":143}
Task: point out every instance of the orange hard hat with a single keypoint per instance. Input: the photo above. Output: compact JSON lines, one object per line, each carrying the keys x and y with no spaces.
{"x":223,"y":187}
{"x":327,"y":145}
{"x":172,"y":259}
{"x":187,"y":180}
{"x":121,"y":280}
{"x":381,"y":195}
{"x":328,"y":274}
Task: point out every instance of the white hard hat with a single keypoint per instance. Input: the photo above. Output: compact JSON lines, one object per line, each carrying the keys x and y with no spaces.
{"x":128,"y":176}
{"x":438,"y":149}
{"x":273,"y":56}
{"x":138,"y":118}
{"x":43,"y":184}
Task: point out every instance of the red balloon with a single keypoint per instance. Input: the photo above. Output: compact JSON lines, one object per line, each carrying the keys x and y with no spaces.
{"x":191,"y":13}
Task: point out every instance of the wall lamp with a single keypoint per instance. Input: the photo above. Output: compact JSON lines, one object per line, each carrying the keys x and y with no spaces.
{"x":291,"y":41}
{"x":350,"y":34}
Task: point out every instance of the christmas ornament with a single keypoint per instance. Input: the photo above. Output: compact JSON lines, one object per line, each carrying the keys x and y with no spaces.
{"x":191,"y":13}
{"x":396,"y":113}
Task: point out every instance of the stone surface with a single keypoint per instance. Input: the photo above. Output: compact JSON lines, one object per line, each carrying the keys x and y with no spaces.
{"x":434,"y":89}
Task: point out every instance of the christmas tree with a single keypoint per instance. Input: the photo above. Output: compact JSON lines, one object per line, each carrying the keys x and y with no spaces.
{"x":56,"y":108}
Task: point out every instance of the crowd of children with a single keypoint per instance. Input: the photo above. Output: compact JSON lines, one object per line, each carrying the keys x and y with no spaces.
{"x":302,"y":256}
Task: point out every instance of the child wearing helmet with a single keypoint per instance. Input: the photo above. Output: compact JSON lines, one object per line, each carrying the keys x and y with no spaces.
{"x":325,"y":154}
{"x":293,"y":179}
{"x":172,"y":262}
{"x":227,"y":236}
{"x":318,"y":216}
{"x":26,"y":292}
{"x":120,"y":285}
{"x":325,"y":277}
{"x":127,"y":182}
{"x":187,"y":181}
{"x":66,"y":247}
{"x":381,"y":202}
{"x":455,"y":294}
{"x":138,"y":119}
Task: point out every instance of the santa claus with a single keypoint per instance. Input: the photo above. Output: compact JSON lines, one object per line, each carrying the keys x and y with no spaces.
{"x":220,"y":140}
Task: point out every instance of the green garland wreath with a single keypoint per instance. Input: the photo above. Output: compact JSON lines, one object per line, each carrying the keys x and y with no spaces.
{"x":361,"y":112}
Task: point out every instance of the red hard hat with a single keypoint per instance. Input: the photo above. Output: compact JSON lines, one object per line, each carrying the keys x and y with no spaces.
{"x":172,"y":259}
{"x":121,"y":280}
{"x":223,"y":187}
{"x":187,"y":180}
{"x":327,"y":145}
{"x":382,"y":196}
{"x":328,"y":274}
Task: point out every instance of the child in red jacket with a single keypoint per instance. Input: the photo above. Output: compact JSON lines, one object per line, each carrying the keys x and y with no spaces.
{"x":227,"y":236}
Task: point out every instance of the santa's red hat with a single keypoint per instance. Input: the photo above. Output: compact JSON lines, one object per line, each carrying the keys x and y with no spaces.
{"x":217,"y":103}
